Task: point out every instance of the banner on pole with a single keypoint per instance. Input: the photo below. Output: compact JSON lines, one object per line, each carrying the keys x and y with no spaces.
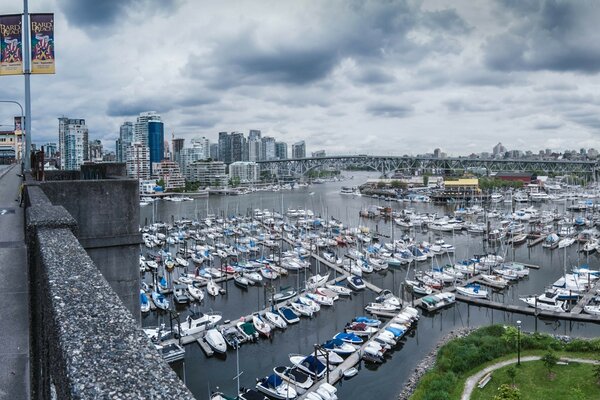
{"x":42,"y":43}
{"x":11,"y":46}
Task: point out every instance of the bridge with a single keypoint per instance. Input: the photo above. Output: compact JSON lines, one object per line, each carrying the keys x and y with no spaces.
{"x":388,"y":164}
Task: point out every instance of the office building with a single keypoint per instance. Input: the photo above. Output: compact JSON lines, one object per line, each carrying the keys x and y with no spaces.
{"x":268,"y":149}
{"x":96,"y":151}
{"x":156,"y":141}
{"x":232,"y":147}
{"x":72,"y":143}
{"x":126,"y":135}
{"x":281,"y":150}
{"x":50,"y":150}
{"x":214,"y":151}
{"x":177,"y":144}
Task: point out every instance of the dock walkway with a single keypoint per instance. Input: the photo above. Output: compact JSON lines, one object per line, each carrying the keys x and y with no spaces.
{"x":586,"y":299}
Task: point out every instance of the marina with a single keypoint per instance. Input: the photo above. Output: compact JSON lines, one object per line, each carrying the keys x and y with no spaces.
{"x":292,"y":249}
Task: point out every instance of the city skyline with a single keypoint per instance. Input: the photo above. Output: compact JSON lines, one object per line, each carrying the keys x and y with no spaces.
{"x":388,"y":77}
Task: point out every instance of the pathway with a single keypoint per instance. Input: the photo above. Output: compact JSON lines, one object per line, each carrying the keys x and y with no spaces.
{"x":472,"y":380}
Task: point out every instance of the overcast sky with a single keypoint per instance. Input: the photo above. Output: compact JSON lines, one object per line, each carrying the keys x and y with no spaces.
{"x":378,"y":77}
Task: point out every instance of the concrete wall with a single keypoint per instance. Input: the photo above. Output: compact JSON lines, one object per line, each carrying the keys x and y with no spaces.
{"x":107,"y":215}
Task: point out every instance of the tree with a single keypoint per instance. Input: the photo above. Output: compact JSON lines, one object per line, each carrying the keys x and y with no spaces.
{"x":597,"y":373}
{"x":507,"y":392}
{"x":380,"y":185}
{"x":425,"y":179}
{"x":396,"y":184}
{"x":510,"y":335}
{"x":550,"y":359}
{"x":160,"y":183}
{"x":512,"y":374}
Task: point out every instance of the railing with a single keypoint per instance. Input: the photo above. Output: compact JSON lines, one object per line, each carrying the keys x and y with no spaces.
{"x":84,"y":343}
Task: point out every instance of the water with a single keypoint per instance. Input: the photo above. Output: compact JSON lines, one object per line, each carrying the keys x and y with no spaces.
{"x":384,"y":381}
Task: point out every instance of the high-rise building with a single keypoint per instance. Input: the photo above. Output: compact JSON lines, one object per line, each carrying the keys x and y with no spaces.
{"x":200,"y":150}
{"x":72,"y":142}
{"x":156,"y":141}
{"x":254,"y":134}
{"x":96,"y":151}
{"x":299,"y":149}
{"x":126,"y":133}
{"x":281,"y":151}
{"x":214,"y":151}
{"x":244,"y":171}
{"x":318,"y":153}
{"x":177,"y":144}
{"x":254,"y":150}
{"x":225,"y":147}
{"x":202,"y":145}
{"x":268,"y":149}
{"x":50,"y":150}
{"x":138,"y":161}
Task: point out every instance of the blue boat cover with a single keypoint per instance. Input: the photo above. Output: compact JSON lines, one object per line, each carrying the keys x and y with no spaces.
{"x":313,"y":364}
{"x":273,"y":381}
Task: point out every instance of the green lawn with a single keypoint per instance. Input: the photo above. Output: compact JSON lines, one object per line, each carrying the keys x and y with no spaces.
{"x":534,"y":384}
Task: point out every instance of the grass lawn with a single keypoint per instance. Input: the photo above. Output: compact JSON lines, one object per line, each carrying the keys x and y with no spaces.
{"x":534,"y":384}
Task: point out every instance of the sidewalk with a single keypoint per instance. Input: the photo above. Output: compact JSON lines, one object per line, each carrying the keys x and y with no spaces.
{"x":14,"y":313}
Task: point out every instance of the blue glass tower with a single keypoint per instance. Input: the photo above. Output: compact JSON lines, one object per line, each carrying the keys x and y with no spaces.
{"x":156,"y":141}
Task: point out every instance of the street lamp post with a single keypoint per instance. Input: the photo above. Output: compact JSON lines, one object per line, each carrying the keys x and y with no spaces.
{"x":519,"y":343}
{"x":22,"y":130}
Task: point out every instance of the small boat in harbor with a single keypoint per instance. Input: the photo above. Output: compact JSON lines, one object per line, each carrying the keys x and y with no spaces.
{"x":261,"y":325}
{"x":275,"y":319}
{"x":160,"y":301}
{"x":215,"y":340}
{"x":288,"y":315}
{"x":302,"y":309}
{"x":283,"y":296}
{"x":348,"y":338}
{"x":273,"y":386}
{"x":144,"y":302}
{"x":297,"y":378}
{"x":418,"y":287}
{"x":340,"y":290}
{"x":350,"y":372}
{"x":437,"y":301}
{"x":472,"y":290}
{"x":356,"y":282}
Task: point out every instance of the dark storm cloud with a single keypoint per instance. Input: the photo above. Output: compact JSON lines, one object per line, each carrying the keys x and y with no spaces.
{"x":547,"y":35}
{"x":364,"y":31}
{"x":585,"y":118}
{"x":98,"y":13}
{"x":135,"y":106}
{"x":374,"y":76}
{"x":389,"y":110}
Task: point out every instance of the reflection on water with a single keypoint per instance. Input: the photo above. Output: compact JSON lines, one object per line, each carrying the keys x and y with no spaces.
{"x":383,"y":381}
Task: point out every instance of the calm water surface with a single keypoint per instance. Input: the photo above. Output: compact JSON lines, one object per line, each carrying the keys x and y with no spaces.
{"x":383,"y":381}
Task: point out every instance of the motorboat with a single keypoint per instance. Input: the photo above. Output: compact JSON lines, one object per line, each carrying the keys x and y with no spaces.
{"x":348,"y":338}
{"x":338,"y":346}
{"x":546,"y":301}
{"x":375,"y":308}
{"x":179,"y":294}
{"x":198,"y":322}
{"x":309,"y":364}
{"x":252,"y":394}
{"x":472,"y":290}
{"x":387,"y":297}
{"x":261,"y":325}
{"x":368,"y":321}
{"x":356,"y":282}
{"x":273,"y":386}
{"x":275,"y":319}
{"x":215,"y":340}
{"x":320,"y":299}
{"x":247,"y":329}
{"x":418,"y":287}
{"x":288,"y":315}
{"x":592,"y":309}
{"x":294,"y":376}
{"x":494,"y":280}
{"x":242,"y":282}
{"x":350,"y":372}
{"x":314,"y":306}
{"x":360,"y":329}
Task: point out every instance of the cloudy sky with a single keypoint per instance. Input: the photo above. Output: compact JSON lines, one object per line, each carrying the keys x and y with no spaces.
{"x":378,"y":77}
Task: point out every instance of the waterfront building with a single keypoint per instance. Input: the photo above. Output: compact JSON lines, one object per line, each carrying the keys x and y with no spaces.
{"x":199,"y":151}
{"x":126,"y":135}
{"x":169,"y":172}
{"x":72,"y":142}
{"x":525,"y":177}
{"x":207,"y":173}
{"x":462,"y":186}
{"x":299,"y":149}
{"x":281,"y":150}
{"x":244,"y":171}
{"x":138,"y":161}
{"x":267,"y":149}
{"x":96,"y":150}
{"x":318,"y":154}
{"x":147,"y":186}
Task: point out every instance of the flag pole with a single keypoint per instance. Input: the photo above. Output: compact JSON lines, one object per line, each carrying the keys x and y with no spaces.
{"x":27,"y":59}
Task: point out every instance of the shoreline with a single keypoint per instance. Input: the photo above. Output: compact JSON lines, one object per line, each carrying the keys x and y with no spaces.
{"x":429,"y":361}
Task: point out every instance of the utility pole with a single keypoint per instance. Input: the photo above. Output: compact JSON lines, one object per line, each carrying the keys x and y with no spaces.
{"x":27,"y":72}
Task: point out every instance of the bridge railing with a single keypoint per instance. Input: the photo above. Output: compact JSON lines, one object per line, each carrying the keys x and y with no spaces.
{"x":84,"y":343}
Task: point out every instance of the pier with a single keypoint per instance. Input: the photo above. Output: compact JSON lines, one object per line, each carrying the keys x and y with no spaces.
{"x":586,"y":299}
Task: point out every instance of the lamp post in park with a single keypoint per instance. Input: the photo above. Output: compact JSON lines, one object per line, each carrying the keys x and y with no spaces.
{"x":23,"y":156}
{"x":519,"y":343}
